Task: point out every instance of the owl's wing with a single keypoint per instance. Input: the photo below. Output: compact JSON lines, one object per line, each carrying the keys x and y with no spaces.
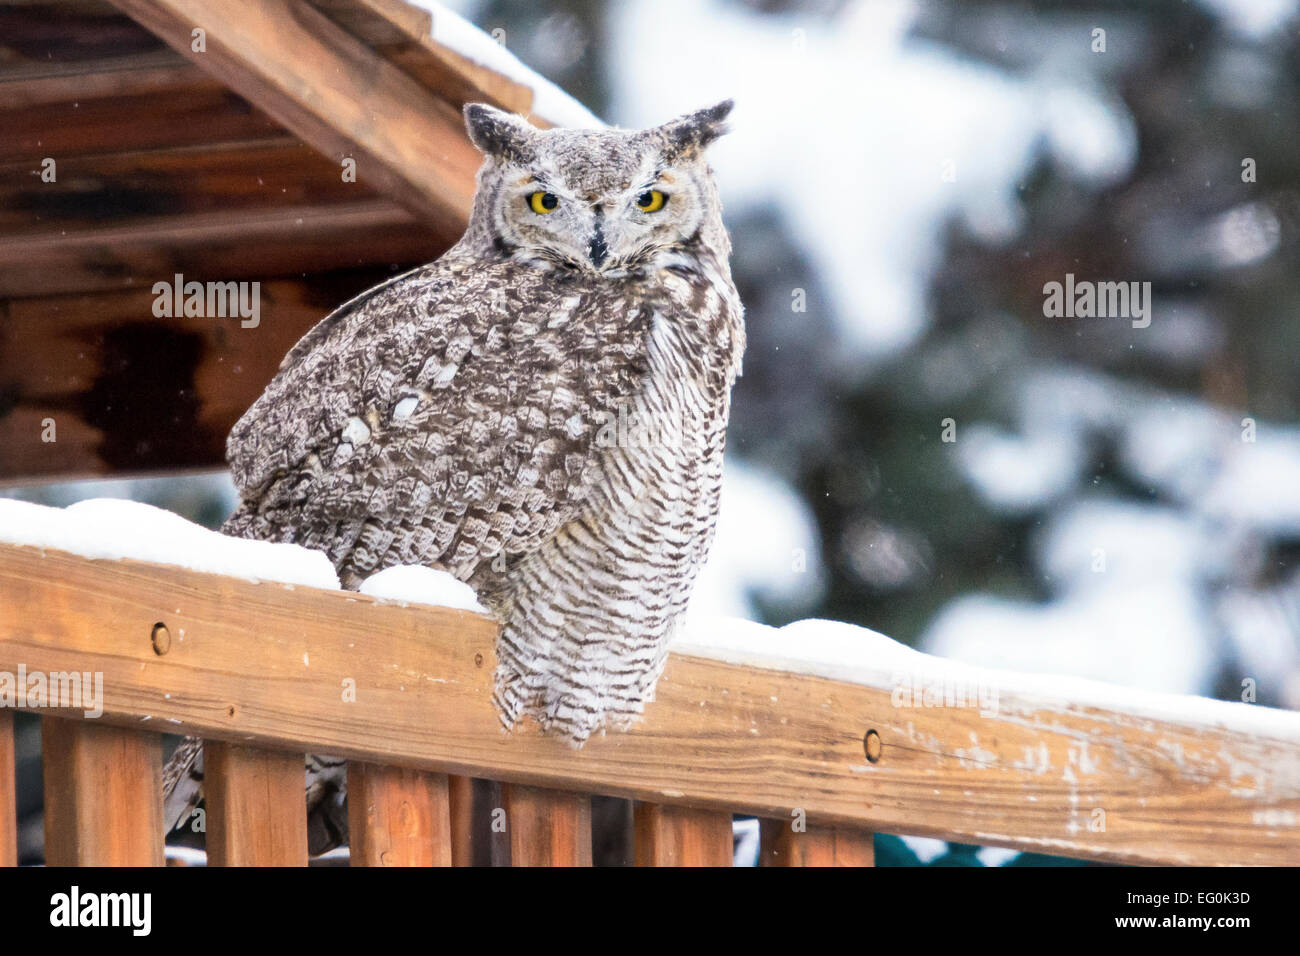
{"x":444,"y":418}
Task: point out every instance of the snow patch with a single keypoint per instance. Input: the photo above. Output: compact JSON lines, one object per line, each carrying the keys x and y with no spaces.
{"x":549,"y":101}
{"x":845,"y":652}
{"x":112,"y":529}
{"x":416,"y":584}
{"x":927,"y":849}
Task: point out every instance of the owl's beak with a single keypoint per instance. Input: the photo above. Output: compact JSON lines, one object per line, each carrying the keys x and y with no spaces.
{"x":598,"y":250}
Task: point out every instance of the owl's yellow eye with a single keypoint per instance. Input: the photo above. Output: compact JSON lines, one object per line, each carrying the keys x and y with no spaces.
{"x":542,"y":203}
{"x":652,"y":200}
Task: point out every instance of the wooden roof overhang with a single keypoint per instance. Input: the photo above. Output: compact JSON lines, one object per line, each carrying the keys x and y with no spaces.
{"x":220,"y":164}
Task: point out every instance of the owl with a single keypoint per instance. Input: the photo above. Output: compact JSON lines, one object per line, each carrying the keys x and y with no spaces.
{"x":540,"y":412}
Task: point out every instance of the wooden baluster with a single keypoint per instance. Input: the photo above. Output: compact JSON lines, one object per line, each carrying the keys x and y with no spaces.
{"x":819,"y":846}
{"x":8,"y":793}
{"x":398,"y":817}
{"x":547,"y":827}
{"x":680,"y":836}
{"x":460,"y":797}
{"x":103,"y":794}
{"x":256,"y":806}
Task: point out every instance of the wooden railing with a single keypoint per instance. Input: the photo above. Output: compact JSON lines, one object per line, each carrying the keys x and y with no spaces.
{"x":263,"y":671}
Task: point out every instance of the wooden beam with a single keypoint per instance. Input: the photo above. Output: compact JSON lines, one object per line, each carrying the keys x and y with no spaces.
{"x":93,"y":190}
{"x":256,"y":806}
{"x":547,"y":827}
{"x":398,"y":817}
{"x":103,"y":794}
{"x":682,"y":836}
{"x":52,"y":119}
{"x":264,"y":662}
{"x":226,"y":246}
{"x":402,"y":33}
{"x":8,"y":792}
{"x":40,"y":82}
{"x":815,"y":846}
{"x":329,"y":88}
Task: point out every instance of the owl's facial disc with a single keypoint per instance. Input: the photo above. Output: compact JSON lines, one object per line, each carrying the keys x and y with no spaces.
{"x":607,"y":202}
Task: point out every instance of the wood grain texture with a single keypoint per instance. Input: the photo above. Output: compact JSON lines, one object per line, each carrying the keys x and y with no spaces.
{"x":265,"y":662}
{"x":55,"y":118}
{"x":816,"y":846}
{"x":398,"y":816}
{"x":26,"y":82}
{"x":256,"y":806}
{"x":103,"y":794}
{"x":682,"y":836}
{"x":547,"y":827}
{"x":8,"y":792}
{"x":327,"y":86}
{"x":268,"y":173}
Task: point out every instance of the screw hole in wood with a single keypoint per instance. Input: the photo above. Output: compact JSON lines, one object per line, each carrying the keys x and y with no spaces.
{"x":872,"y":745}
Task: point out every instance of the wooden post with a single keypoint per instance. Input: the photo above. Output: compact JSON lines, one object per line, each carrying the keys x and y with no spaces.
{"x":548,"y":827}
{"x":679,"y":836}
{"x":819,"y":846}
{"x":398,"y":817}
{"x":103,"y":794}
{"x":256,"y":806}
{"x":8,"y":794}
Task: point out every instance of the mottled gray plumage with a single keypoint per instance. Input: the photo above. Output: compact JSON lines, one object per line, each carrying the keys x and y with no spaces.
{"x":541,"y":412}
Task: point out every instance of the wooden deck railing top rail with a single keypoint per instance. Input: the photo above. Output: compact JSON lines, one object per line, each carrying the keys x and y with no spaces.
{"x":275,"y":671}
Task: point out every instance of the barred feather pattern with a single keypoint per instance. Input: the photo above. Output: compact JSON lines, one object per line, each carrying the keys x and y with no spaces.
{"x":588,"y":615}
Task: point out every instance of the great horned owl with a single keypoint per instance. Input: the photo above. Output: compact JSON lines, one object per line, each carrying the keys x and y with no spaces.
{"x":540,"y":412}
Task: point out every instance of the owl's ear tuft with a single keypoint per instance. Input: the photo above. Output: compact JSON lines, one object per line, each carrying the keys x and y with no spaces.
{"x":498,"y":133}
{"x":692,"y":132}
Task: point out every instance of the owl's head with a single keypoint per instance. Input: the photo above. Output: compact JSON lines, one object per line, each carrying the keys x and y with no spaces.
{"x":603,"y":201}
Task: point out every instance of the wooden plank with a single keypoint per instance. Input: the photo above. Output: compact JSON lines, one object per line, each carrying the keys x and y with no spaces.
{"x":682,"y":836}
{"x":547,"y":827}
{"x":264,"y":661}
{"x":35,"y":82}
{"x":815,"y":846}
{"x":103,"y":794}
{"x":328,"y":87}
{"x":398,"y":817}
{"x":96,"y":189}
{"x":256,"y":806}
{"x":8,"y":792}
{"x":195,"y":109}
{"x":225,"y":246}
